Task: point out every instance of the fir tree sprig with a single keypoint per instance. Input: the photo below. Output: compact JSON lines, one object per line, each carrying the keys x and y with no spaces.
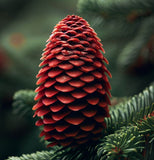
{"x":43,"y":155}
{"x":138,"y":46}
{"x":116,"y":9}
{"x":23,"y":100}
{"x":124,"y":143}
{"x":129,"y":142}
{"x":132,"y":110}
{"x":132,"y":132}
{"x":146,"y":127}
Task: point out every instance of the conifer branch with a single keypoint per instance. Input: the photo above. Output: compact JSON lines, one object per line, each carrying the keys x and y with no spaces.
{"x":119,"y":13}
{"x":146,"y":127}
{"x":23,"y":102}
{"x":124,"y":143}
{"x":116,"y":9}
{"x":132,"y":110}
{"x":43,"y":155}
{"x":137,"y":46}
{"x":129,"y":140}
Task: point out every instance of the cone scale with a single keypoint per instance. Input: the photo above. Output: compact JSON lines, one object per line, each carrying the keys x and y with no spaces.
{"x":73,"y":92}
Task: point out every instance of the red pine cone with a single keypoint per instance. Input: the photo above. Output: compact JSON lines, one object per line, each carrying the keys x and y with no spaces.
{"x":73,"y":93}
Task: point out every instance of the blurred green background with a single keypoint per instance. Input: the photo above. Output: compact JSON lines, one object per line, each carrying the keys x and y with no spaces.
{"x":24,"y":28}
{"x":127,"y":33}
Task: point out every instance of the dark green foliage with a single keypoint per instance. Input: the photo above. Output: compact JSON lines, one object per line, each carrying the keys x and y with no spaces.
{"x":136,"y":47}
{"x":111,"y":8}
{"x":130,"y":111}
{"x":115,"y":16}
{"x":23,"y":102}
{"x":146,"y":127}
{"x":87,"y":151}
{"x":127,"y":136}
{"x":124,"y":143}
{"x":126,"y":28}
{"x":44,"y":155}
{"x":129,"y":142}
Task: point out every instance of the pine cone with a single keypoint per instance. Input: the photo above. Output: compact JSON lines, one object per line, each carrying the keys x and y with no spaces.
{"x":74,"y":89}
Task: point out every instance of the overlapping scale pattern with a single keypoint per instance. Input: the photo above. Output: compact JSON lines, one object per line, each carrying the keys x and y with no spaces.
{"x":73,"y":93}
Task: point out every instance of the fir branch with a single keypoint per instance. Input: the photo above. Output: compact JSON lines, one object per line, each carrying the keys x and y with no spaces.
{"x":91,"y":7}
{"x":146,"y":127}
{"x":148,"y":151}
{"x":43,"y":155}
{"x":128,"y":142}
{"x":116,"y":16}
{"x":132,"y":110}
{"x":116,"y":9}
{"x":134,"y":48}
{"x":23,"y":102}
{"x":87,"y":151}
{"x":125,"y":143}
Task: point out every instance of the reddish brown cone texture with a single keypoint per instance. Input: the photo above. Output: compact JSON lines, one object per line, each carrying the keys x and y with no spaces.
{"x":73,"y":93}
